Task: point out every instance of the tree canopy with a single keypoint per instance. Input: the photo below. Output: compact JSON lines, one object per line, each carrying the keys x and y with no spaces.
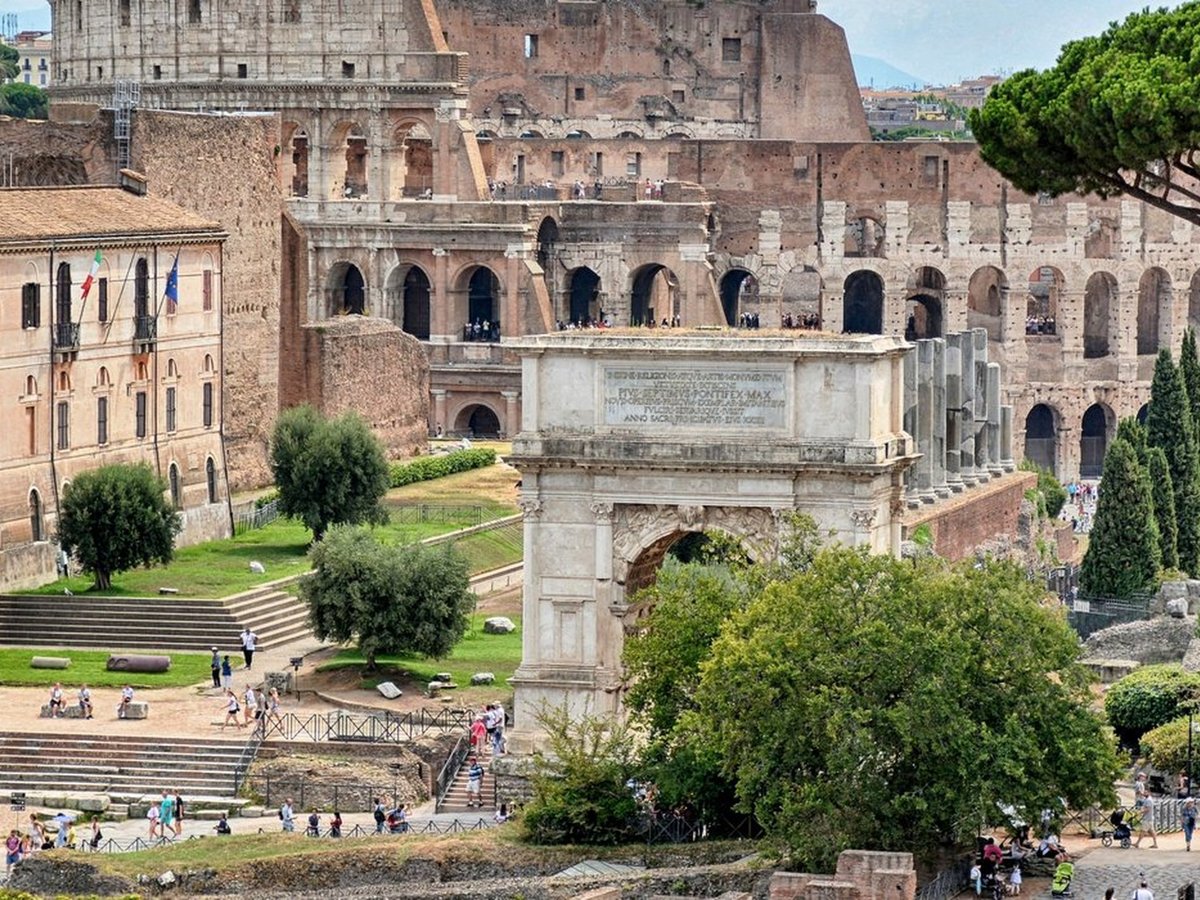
{"x":328,"y":471}
{"x":115,"y":518}
{"x":1116,"y":114}
{"x":881,"y":703}
{"x":1123,"y":555}
{"x":389,"y":599}
{"x":1169,"y":427}
{"x":23,"y":101}
{"x":10,"y":61}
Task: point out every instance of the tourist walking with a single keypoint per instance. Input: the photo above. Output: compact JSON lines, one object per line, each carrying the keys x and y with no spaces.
{"x":1146,"y":822}
{"x":1188,"y":815}
{"x":216,"y":668}
{"x":251,"y":711}
{"x":287,"y":816}
{"x":1142,"y":892}
{"x":231,"y":710}
{"x":97,"y":834}
{"x":249,"y":641}
{"x":166,"y":813}
{"x":152,"y":818}
{"x":273,"y":714}
{"x":380,"y":812}
{"x":178,"y":814}
{"x":474,"y":783}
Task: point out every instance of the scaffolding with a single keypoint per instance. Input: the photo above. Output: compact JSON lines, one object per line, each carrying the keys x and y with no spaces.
{"x":126,"y":95}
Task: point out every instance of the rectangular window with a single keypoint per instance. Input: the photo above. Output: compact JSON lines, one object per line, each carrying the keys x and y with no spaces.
{"x":208,"y":404}
{"x":158,"y":73}
{"x":125,"y":12}
{"x":31,"y":429}
{"x":63,"y":425}
{"x":731,"y":50}
{"x":930,"y":168}
{"x":557,"y":163}
{"x":347,"y":69}
{"x":206,"y":288}
{"x":194,"y":12}
{"x":598,"y":164}
{"x":31,"y":305}
{"x":99,"y":73}
{"x":291,"y":12}
{"x":243,"y":71}
{"x":676,"y":96}
{"x":101,"y":420}
{"x":140,"y":414}
{"x":531,"y":46}
{"x":580,"y":93}
{"x":633,"y":164}
{"x":170,"y":409}
{"x":102,"y":299}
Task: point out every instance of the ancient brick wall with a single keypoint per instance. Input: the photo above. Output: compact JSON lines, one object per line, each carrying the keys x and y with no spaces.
{"x":860,"y":875}
{"x":223,"y":167}
{"x":371,"y":367}
{"x":979,"y":515}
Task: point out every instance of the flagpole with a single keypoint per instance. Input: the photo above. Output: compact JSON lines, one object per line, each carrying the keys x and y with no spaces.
{"x":88,"y":283}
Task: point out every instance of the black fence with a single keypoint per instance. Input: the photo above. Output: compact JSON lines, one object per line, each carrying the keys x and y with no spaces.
{"x":1087,"y":615}
{"x":947,"y":883}
{"x":465,"y":516}
{"x":306,"y":793}
{"x":387,"y":728}
{"x":675,"y":828}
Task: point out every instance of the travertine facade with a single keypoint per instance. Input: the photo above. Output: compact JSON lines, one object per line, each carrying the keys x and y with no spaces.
{"x":629,"y":441}
{"x":773,"y":202}
{"x":122,"y":375}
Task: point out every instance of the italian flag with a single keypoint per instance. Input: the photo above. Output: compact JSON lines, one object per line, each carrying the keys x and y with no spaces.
{"x":87,"y":282}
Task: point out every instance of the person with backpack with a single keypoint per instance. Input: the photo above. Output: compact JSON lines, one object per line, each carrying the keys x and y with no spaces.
{"x":380,"y":815}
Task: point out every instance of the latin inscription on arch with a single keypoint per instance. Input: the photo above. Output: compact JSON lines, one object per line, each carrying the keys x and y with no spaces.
{"x":696,"y":397}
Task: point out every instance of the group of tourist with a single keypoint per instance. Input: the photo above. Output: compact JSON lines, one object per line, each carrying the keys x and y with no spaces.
{"x":586,"y":323}
{"x":1041,"y":325}
{"x":807,"y":321}
{"x":21,"y":845}
{"x":390,"y":817}
{"x":258,"y":706}
{"x":166,"y":815}
{"x":487,"y":730}
{"x":649,"y":322}
{"x":481,"y":330}
{"x":1080,"y":508}
{"x":83,"y":697}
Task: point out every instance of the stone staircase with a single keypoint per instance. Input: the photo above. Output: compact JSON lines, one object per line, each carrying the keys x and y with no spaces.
{"x":455,"y":800}
{"x":123,"y":767}
{"x":151,"y":623}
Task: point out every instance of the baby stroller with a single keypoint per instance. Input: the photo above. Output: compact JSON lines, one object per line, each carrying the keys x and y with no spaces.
{"x":1060,"y":884}
{"x":1121,"y":830}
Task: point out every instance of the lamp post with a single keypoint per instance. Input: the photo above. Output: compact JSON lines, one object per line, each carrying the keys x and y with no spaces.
{"x":1189,"y":765}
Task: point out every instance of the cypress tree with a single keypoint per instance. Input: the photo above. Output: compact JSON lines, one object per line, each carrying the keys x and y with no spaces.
{"x":1169,"y":426}
{"x":1130,"y":429}
{"x":1122,"y":556}
{"x":1189,"y":363}
{"x":1163,"y":497}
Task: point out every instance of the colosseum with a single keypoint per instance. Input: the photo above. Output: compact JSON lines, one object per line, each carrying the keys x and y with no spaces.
{"x":480,"y":170}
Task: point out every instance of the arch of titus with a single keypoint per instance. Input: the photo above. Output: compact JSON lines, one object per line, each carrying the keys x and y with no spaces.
{"x":629,"y":441}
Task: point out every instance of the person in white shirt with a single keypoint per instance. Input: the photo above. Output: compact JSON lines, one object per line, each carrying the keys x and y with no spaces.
{"x":249,"y":641}
{"x":251,"y":705}
{"x":1142,"y":892}
{"x":126,"y":699}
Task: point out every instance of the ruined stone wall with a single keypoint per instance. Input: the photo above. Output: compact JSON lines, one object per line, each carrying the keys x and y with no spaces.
{"x":962,"y":523}
{"x":369,"y":366}
{"x":223,"y":167}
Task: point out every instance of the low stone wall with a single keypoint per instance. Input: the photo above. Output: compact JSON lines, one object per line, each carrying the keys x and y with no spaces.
{"x":1159,"y":640}
{"x":860,"y":875}
{"x":27,"y":565}
{"x":980,"y":514}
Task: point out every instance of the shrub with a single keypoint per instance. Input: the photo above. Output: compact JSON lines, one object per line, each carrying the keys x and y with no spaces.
{"x":1166,"y":746}
{"x":1149,"y":697}
{"x":428,"y":468}
{"x":1054,"y":495}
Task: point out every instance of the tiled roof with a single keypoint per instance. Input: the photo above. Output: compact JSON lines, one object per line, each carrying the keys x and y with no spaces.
{"x":39,"y":214}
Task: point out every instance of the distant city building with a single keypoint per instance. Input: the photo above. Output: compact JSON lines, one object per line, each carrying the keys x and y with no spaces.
{"x":34,"y":48}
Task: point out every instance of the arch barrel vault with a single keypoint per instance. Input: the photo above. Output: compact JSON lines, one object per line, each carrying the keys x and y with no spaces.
{"x":682,"y":433}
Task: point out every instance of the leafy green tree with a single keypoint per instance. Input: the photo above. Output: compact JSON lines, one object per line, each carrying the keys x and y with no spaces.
{"x":1162,"y":494}
{"x":390,"y":600}
{"x":1054,"y":495}
{"x":116,"y":518}
{"x":1149,"y":697}
{"x":1123,"y":556}
{"x":1169,"y":426}
{"x":1167,"y":746}
{"x":879,"y":703}
{"x":24,"y":101}
{"x":328,"y":471}
{"x":581,"y":792}
{"x":10,"y":62}
{"x":1116,"y":114}
{"x":1189,"y":364}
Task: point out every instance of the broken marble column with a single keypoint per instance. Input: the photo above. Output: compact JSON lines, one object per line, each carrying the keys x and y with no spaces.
{"x":937,"y":447}
{"x":923,"y":470}
{"x":1006,"y":439}
{"x":966,"y":418}
{"x":953,"y":411}
{"x":910,"y":420}
{"x":993,"y":419}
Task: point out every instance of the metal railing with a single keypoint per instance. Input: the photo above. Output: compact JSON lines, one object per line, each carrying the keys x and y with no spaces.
{"x":947,"y":883}
{"x":249,"y":753}
{"x":465,"y":515}
{"x":388,"y":728}
{"x":1088,"y":615}
{"x":252,"y":517}
{"x":672,"y":828}
{"x":145,"y":329}
{"x":66,"y":336}
{"x":274,"y":789}
{"x":449,"y":772}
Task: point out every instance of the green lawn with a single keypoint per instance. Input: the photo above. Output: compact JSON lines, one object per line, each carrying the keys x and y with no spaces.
{"x":499,"y":654}
{"x":489,"y":550}
{"x":87,"y":667}
{"x":221,"y":568}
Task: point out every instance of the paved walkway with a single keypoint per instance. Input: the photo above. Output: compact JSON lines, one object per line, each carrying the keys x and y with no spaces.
{"x":1098,"y":868}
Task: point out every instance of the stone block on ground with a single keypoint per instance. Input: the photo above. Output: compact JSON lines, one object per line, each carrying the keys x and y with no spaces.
{"x":499,"y":625}
{"x":89,"y":802}
{"x":50,"y":662}
{"x":483,"y":678}
{"x":119,"y":810}
{"x":251,"y":812}
{"x":137,"y":709}
{"x":281,"y":681}
{"x":138,"y":662}
{"x":208,"y":815}
{"x":68,"y":712}
{"x":388,"y":690}
{"x":1177,"y":607}
{"x":443,"y":677}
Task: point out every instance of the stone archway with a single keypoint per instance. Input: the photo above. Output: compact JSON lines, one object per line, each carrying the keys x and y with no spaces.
{"x":737,"y":285}
{"x":862,"y":303}
{"x":583,"y":304}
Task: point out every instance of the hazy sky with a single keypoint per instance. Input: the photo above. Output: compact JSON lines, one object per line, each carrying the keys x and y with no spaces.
{"x":946,"y":40}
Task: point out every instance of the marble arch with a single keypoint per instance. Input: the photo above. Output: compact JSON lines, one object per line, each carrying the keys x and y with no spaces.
{"x":629,"y":441}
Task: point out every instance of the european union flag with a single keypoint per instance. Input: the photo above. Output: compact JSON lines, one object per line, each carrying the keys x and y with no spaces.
{"x":172,"y":291}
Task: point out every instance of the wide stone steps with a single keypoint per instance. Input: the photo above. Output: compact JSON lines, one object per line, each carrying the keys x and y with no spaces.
{"x":456,"y":797}
{"x":118,"y":623}
{"x":117,"y":765}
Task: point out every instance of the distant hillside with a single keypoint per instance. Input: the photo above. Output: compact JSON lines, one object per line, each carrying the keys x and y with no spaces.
{"x":876,"y":73}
